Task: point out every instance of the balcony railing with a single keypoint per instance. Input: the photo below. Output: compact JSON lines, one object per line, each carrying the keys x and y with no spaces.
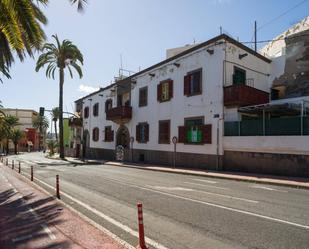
{"x":120,"y":114}
{"x":75,"y":122}
{"x":243,"y":95}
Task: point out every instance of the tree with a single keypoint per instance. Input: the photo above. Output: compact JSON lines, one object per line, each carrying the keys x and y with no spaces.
{"x":55,"y":117}
{"x":40,"y":123}
{"x":21,"y":29}
{"x":16,"y":136}
{"x":10,"y":122}
{"x":61,"y":56}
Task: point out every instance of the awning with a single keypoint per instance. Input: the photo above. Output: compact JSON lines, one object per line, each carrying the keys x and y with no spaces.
{"x":29,"y":143}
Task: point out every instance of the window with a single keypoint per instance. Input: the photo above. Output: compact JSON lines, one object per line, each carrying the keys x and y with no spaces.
{"x":95,"y":134}
{"x":193,"y":83}
{"x":239,"y":76}
{"x":143,"y":95}
{"x":194,"y":131}
{"x":108,"y":105}
{"x":95,"y":109}
{"x":108,"y":134}
{"x":164,"y":132}
{"x":142,"y":132}
{"x":86,"y":112}
{"x":165,"y":91}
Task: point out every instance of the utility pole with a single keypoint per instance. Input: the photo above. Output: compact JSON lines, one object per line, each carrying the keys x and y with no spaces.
{"x":255,"y":40}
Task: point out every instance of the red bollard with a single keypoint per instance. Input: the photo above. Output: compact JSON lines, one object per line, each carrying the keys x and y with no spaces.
{"x":19,"y":167}
{"x":13,"y":164}
{"x":31,"y":173}
{"x":141,"y":234}
{"x":57,"y":187}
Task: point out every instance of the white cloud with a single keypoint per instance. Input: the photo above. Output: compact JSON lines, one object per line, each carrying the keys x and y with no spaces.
{"x":87,"y":89}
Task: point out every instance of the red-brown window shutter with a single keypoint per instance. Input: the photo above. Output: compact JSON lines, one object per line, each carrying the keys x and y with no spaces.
{"x":170,"y":89}
{"x":111,"y":136}
{"x":159,"y":92}
{"x":186,"y":86}
{"x":181,"y":134}
{"x":146,"y":132}
{"x":206,"y":132}
{"x":138,"y":133}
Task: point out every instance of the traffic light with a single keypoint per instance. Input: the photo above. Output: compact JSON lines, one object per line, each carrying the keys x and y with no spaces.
{"x":42,"y":109}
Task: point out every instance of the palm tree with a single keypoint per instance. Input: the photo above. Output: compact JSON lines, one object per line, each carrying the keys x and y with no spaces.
{"x":55,"y":117}
{"x":9,"y":122}
{"x":61,"y":56}
{"x":21,"y":29}
{"x":41,"y":123}
{"x":16,"y":136}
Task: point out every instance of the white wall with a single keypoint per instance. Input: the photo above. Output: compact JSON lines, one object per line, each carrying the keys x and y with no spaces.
{"x":255,"y":67}
{"x":268,"y":144}
{"x":100,"y":120}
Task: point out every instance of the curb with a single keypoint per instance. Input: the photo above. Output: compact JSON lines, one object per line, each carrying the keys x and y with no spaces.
{"x":213,"y":176}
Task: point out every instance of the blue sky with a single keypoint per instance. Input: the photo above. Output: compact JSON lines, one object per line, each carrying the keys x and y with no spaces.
{"x":140,"y":31}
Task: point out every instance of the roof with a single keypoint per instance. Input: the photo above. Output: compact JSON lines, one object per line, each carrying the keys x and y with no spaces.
{"x":190,"y":50}
{"x":17,"y":109}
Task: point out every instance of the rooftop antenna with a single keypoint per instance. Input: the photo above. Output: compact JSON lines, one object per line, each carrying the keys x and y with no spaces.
{"x":193,"y":40}
{"x":220,"y":30}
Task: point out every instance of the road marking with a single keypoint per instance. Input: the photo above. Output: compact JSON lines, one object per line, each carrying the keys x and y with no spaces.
{"x":22,"y":238}
{"x":107,"y":218}
{"x":204,"y":185}
{"x":218,"y":206}
{"x":202,"y":191}
{"x":200,"y":180}
{"x":268,"y":188}
{"x":170,"y":188}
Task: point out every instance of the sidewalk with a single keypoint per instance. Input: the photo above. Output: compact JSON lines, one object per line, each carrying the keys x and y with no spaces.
{"x":32,"y":219}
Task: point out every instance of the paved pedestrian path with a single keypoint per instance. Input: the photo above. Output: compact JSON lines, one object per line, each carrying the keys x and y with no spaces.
{"x":32,"y":219}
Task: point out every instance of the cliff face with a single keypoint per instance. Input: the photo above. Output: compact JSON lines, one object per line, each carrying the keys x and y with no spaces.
{"x":295,"y":78}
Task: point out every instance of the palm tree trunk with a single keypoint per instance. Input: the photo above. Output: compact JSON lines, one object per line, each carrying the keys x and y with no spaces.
{"x":15,"y":148}
{"x":55,"y":123}
{"x":61,"y":81}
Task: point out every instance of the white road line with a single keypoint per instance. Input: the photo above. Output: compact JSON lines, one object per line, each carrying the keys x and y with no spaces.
{"x":200,"y":191}
{"x":107,"y":218}
{"x":218,"y":206}
{"x":22,"y":238}
{"x":268,"y":188}
{"x":200,"y":180}
{"x":204,"y":185}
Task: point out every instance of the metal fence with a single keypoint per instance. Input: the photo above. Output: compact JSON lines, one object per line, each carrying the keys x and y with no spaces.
{"x":287,"y":126}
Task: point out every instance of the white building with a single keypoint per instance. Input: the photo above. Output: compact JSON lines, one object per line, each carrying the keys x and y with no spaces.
{"x":187,"y":96}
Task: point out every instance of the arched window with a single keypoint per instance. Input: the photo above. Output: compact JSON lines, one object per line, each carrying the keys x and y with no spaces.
{"x":95,"y":109}
{"x":95,"y":134}
{"x":108,"y":104}
{"x":86,"y":112}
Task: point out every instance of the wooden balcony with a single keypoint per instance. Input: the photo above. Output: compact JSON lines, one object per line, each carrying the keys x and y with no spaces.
{"x":243,"y":95}
{"x":120,"y":114}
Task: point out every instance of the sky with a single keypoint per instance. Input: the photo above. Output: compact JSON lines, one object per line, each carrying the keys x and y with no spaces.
{"x":139,"y":31}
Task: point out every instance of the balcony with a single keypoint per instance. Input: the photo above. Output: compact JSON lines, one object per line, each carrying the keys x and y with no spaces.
{"x":120,"y":114}
{"x":243,"y":95}
{"x":75,"y":122}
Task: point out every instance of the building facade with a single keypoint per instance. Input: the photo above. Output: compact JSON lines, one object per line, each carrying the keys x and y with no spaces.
{"x":187,"y":97}
{"x":31,"y":137}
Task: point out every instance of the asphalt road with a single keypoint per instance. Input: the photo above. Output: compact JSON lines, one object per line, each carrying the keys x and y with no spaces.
{"x":180,"y":211}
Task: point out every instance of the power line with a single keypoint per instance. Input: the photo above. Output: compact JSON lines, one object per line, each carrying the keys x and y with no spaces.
{"x":284,"y":13}
{"x":279,"y":39}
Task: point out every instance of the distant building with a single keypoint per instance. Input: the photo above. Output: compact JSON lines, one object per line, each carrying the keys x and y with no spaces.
{"x":25,"y":117}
